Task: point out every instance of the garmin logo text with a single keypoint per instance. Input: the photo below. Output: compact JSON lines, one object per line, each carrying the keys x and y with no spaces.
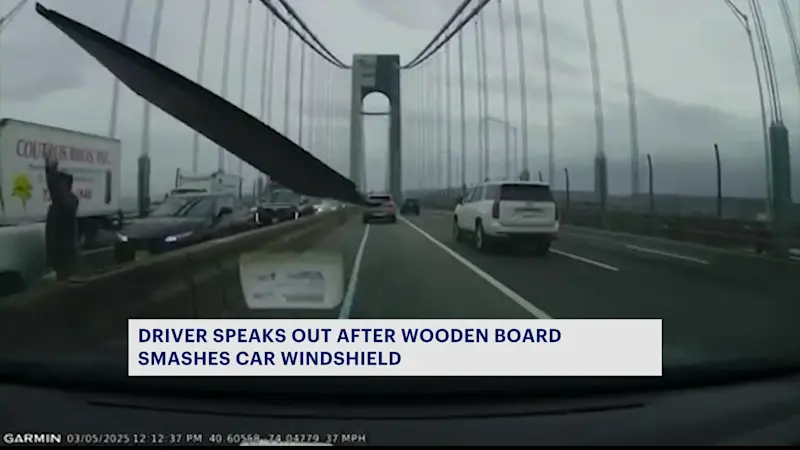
{"x":31,"y":438}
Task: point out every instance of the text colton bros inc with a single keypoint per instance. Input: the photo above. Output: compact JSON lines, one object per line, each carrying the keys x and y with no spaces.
{"x":394,"y":347}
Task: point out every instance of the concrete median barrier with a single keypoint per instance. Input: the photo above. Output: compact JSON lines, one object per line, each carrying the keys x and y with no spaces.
{"x":197,"y":282}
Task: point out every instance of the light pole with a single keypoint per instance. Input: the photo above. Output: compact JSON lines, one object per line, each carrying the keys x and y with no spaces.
{"x":487,"y":172}
{"x":271,"y":74}
{"x":245,"y":56}
{"x":504,"y":68}
{"x":287,"y":81}
{"x":266,"y":83}
{"x":631,"y":88}
{"x":515,"y":151}
{"x":312,"y":95}
{"x":600,"y":157}
{"x":793,"y":41}
{"x":719,"y":180}
{"x":437,"y":143}
{"x":449,"y":121}
{"x":479,"y":71}
{"x":226,"y":63}
{"x":744,"y":20}
{"x":548,"y":89}
{"x":144,"y":158}
{"x":523,"y":95}
{"x":123,"y":37}
{"x":462,"y":103}
{"x":301,"y":100}
{"x":330,"y":112}
{"x":201,"y":64}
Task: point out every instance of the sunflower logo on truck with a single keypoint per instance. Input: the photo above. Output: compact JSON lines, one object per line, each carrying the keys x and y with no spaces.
{"x":22,"y":188}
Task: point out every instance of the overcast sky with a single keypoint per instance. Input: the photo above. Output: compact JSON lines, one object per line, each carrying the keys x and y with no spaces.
{"x":694,"y":77}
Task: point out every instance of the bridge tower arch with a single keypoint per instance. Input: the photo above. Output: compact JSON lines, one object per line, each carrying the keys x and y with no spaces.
{"x":376,"y":73}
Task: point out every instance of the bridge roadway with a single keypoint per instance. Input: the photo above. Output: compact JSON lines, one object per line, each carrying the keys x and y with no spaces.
{"x":715,"y":306}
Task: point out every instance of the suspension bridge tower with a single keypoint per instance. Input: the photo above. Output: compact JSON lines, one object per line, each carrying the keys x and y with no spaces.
{"x":376,"y":73}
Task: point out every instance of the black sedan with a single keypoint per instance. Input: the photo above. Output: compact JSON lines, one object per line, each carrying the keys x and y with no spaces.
{"x":272,"y":213}
{"x":178,"y":222}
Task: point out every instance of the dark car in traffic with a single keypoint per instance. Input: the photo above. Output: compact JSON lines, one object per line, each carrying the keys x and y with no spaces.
{"x":179,"y":221}
{"x":267,"y":213}
{"x":410,"y":206}
{"x":281,"y":208}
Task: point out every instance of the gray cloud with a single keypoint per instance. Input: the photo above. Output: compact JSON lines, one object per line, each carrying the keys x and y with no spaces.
{"x":412,"y":14}
{"x":561,"y":37}
{"x":44,"y":62}
{"x":31,"y":80}
{"x":535,"y":92}
{"x":534,"y":61}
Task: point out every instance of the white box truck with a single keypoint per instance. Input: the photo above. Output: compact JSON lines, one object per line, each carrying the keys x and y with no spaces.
{"x":92,"y":160}
{"x":215,"y":183}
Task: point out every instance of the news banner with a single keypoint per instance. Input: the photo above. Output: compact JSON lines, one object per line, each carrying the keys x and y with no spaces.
{"x":369,"y":348}
{"x":398,"y":348}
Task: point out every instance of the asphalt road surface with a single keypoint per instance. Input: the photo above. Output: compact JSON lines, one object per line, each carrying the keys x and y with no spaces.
{"x":715,"y":304}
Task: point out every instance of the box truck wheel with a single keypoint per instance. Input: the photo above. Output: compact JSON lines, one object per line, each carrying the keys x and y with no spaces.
{"x":88,"y":230}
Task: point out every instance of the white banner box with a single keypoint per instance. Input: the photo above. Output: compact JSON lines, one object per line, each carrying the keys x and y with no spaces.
{"x":330,"y":347}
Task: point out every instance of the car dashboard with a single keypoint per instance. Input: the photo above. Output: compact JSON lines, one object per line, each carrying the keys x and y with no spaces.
{"x":759,"y":412}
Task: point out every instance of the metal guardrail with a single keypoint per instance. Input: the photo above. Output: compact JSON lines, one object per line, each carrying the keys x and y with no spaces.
{"x":742,"y":234}
{"x":759,"y":236}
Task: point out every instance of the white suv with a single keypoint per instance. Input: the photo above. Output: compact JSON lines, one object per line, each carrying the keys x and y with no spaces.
{"x":508,"y":210}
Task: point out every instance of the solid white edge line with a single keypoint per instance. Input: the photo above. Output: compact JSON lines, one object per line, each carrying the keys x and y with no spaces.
{"x":516,"y":298}
{"x":349,"y":296}
{"x":667,"y":254}
{"x":585,"y":260}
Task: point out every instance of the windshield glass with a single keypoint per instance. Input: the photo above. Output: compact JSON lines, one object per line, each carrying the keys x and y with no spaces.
{"x":381,"y":198}
{"x":174,"y":207}
{"x":525,"y":193}
{"x":538,"y":189}
{"x":283,"y":196}
{"x":201,"y":208}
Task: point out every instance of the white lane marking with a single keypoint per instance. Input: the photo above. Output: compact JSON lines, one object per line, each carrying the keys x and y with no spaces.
{"x":585,"y":260}
{"x":516,"y":298}
{"x":570,"y":255}
{"x":349,"y":296}
{"x":667,"y":254}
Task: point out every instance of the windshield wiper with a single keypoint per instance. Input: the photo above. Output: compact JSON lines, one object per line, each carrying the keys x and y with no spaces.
{"x":211,"y":115}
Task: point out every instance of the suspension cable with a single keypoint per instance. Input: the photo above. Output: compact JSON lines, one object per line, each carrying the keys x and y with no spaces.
{"x":333,"y":61}
{"x":310,"y":33}
{"x":447,"y":38}
{"x":436,"y":37}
